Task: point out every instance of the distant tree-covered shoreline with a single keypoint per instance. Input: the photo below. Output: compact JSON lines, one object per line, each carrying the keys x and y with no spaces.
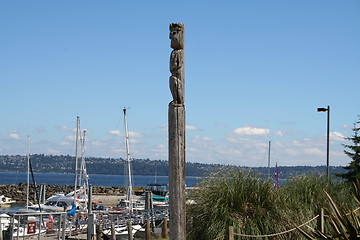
{"x":66,"y":164}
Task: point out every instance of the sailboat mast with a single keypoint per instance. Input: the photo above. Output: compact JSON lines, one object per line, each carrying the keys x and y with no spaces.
{"x":28,"y":173}
{"x":128,"y":159}
{"x":83,"y":178}
{"x":76,"y":155}
{"x":269,"y":160}
{"x":82,"y":142}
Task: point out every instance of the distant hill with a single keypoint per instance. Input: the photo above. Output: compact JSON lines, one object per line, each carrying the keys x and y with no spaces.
{"x":66,"y":164}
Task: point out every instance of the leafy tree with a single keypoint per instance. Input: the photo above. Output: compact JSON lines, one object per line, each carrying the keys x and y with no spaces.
{"x":353,"y":151}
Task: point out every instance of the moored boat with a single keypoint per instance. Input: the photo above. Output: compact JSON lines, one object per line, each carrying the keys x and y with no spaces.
{"x":158,"y":189}
{"x":5,"y":200}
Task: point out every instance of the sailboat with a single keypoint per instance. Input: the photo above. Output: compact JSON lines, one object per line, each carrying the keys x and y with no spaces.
{"x":26,"y":209}
{"x":81,"y":181}
{"x":36,"y":207}
{"x":61,"y":202}
{"x":129,"y":204}
{"x":83,"y":176}
{"x":28,"y":174}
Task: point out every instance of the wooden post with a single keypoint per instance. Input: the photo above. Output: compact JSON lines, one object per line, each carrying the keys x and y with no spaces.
{"x":63,"y":216}
{"x":152,"y":224}
{"x":91,"y":227}
{"x":130,"y":235}
{"x":148,"y":200}
{"x":40,"y":223}
{"x":89,"y":203}
{"x":177,"y":135}
{"x":147,"y":230}
{"x":98,"y":232}
{"x":164,"y":231}
{"x":113,"y":234}
{"x":231,"y":233}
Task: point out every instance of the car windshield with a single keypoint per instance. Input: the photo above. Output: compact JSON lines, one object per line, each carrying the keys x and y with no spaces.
{"x":50,"y":203}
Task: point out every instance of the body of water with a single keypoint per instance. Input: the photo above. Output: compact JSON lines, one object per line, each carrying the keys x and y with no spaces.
{"x":94,"y":179}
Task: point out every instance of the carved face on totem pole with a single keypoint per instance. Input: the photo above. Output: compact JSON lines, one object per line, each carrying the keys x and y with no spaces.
{"x":177,"y":36}
{"x":176,"y":80}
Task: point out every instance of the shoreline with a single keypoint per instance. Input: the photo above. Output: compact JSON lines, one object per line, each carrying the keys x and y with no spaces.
{"x":106,"y":194}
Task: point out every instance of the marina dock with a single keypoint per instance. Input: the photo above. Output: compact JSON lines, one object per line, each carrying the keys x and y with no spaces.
{"x":60,"y":225}
{"x":108,"y":221}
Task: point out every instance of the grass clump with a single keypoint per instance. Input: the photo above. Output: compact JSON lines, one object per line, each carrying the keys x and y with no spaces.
{"x":340,"y":223}
{"x":252,"y":206}
{"x":232,"y":198}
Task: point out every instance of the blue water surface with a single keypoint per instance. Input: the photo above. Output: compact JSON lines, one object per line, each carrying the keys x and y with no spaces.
{"x":95,"y":179}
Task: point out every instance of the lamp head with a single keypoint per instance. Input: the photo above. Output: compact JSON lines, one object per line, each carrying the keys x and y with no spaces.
{"x":322,"y":109}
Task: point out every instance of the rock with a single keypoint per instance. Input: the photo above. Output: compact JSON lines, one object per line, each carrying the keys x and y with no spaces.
{"x":18,"y":192}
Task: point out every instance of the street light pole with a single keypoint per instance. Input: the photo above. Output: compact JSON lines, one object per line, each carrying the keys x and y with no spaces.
{"x":327,"y":141}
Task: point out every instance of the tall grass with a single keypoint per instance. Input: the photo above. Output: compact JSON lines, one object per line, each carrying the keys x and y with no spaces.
{"x":341,"y":224}
{"x":253,"y":207}
{"x":304,"y":195}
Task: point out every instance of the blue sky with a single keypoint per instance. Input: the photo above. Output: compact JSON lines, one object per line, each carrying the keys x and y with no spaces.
{"x":255,"y":71}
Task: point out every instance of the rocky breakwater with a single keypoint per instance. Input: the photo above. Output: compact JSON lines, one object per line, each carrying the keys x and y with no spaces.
{"x":18,"y":192}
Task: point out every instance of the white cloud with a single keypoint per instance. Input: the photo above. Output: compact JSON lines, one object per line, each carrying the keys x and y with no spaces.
{"x":250,"y":131}
{"x":313,"y":151}
{"x":244,"y":146}
{"x":66,"y":129}
{"x":114,"y":132}
{"x":279,"y":133}
{"x":14,"y":136}
{"x":135,"y":134}
{"x":345,"y":126}
{"x":97,"y":143}
{"x":53,"y":152}
{"x":41,"y":129}
{"x":290,"y":151}
{"x":337,"y":136}
{"x":206,"y":138}
{"x":134,"y":141}
{"x":200,"y":139}
{"x":191,"y":128}
{"x":70,"y":138}
{"x":305,"y":142}
{"x":232,"y":140}
{"x":161,"y":148}
{"x":160,"y":151}
{"x":191,"y":149}
{"x":118,"y":150}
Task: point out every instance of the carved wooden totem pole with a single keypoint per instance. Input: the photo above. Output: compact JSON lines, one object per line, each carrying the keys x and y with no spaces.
{"x":177,"y":135}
